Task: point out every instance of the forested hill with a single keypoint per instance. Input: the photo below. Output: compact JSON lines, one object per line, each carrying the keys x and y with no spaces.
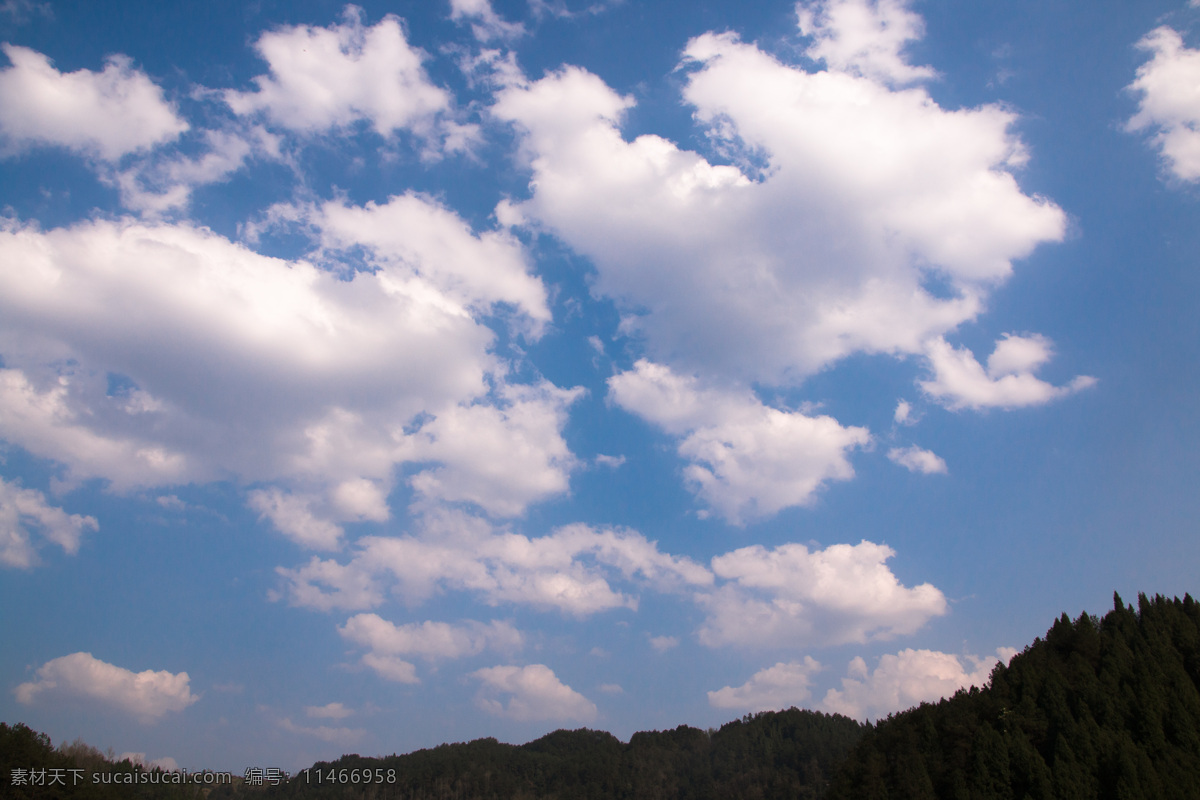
{"x":1098,"y":709}
{"x":790,"y":754}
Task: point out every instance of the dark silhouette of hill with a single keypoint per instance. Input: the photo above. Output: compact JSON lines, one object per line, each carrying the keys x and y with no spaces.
{"x":1098,"y":709}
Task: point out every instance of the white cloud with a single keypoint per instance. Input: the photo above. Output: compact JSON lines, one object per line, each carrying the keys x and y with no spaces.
{"x":533,"y":693}
{"x":291,"y":515}
{"x":339,"y":736}
{"x":23,"y":509}
{"x":906,"y":679}
{"x":782,"y":686}
{"x":1169,"y":104}
{"x":903,"y":414}
{"x":329,"y":711}
{"x":663,"y":643}
{"x":747,"y":460}
{"x":392,"y":668}
{"x":915,"y":459}
{"x":867,"y":193}
{"x":500,"y":457}
{"x":147,"y":695}
{"x":960,"y":381}
{"x":486,"y":24}
{"x":416,"y":238}
{"x":104,"y":114}
{"x":790,"y":597}
{"x":320,"y":380}
{"x":429,"y":640}
{"x":325,"y":79}
{"x":572,"y":570}
{"x":160,"y":183}
{"x":863,"y":37}
{"x":612,"y":462}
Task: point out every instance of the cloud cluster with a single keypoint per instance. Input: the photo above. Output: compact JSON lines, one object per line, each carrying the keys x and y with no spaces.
{"x":103,"y":115}
{"x":868,"y":193}
{"x":747,"y":459}
{"x":23,"y":509}
{"x":791,"y":597}
{"x":782,"y":686}
{"x":571,"y":570}
{"x":899,"y":681}
{"x":327,"y":79}
{"x":387,"y":642}
{"x":1169,"y":102}
{"x":906,"y":679}
{"x":152,"y":354}
{"x":148,"y":695}
{"x":533,"y":693}
{"x":960,"y":381}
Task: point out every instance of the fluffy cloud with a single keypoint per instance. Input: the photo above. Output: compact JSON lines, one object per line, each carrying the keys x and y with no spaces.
{"x":1169,"y":89}
{"x":429,"y":640}
{"x":863,"y":37}
{"x":152,"y":354}
{"x":104,"y":114}
{"x":960,"y":381}
{"x":148,"y":695}
{"x":906,"y":679}
{"x":868,"y":192}
{"x":323,"y":79}
{"x":570,"y":570}
{"x":914,"y":459}
{"x":486,"y":24}
{"x":533,"y":692}
{"x":23,"y":509}
{"x":746,"y":459}
{"x":790,"y":597}
{"x":781,"y":686}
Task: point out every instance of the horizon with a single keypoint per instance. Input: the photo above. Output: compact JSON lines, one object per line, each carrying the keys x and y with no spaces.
{"x":381,"y":375}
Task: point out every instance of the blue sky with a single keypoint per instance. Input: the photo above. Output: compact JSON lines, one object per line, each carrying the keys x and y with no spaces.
{"x":381,"y":375}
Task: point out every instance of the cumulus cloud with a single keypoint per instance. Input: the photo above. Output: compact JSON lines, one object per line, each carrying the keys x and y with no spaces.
{"x":906,"y":679}
{"x":486,"y":24}
{"x":163,"y":182}
{"x":863,"y":37}
{"x":1169,"y":103}
{"x":147,"y":695}
{"x":572,"y":569}
{"x":915,"y":459}
{"x":747,"y":460}
{"x":326,"y":79}
{"x":104,"y":115}
{"x":429,"y":640}
{"x":960,"y":381}
{"x":23,"y":510}
{"x":861,"y":195}
{"x":789,"y":597}
{"x":311,"y":376}
{"x":782,"y":686}
{"x":292,"y":516}
{"x":533,"y":693}
{"x":663,"y":643}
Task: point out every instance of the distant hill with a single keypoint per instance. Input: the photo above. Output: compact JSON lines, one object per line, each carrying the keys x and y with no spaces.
{"x":1100,"y":708}
{"x":774,"y":754}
